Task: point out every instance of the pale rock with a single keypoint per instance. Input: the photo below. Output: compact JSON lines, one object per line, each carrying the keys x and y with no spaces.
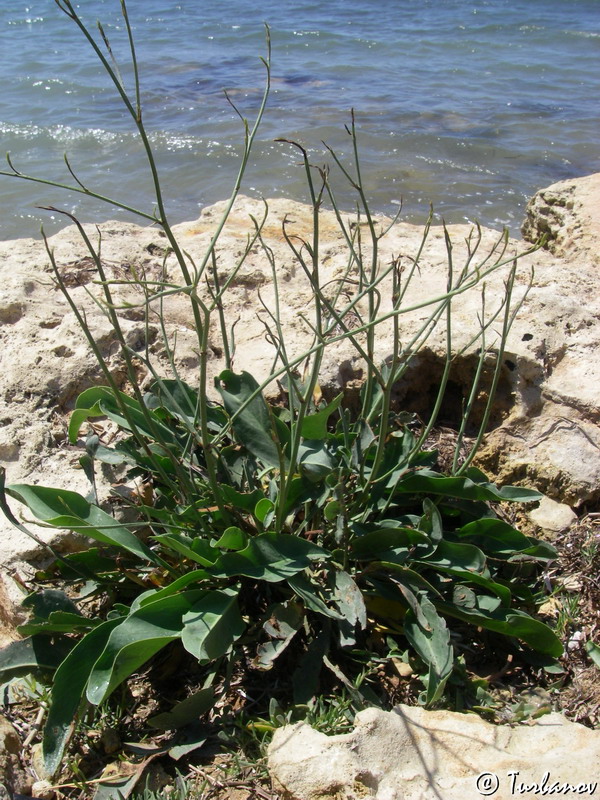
{"x":414,"y":754}
{"x":12,"y":775}
{"x":567,"y":214}
{"x":552,"y":517}
{"x":544,"y":431}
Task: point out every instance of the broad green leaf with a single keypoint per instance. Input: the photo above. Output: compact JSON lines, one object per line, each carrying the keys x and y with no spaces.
{"x":119,"y":788}
{"x":301,"y":491}
{"x":463,"y":596}
{"x":499,"y":589}
{"x":510,"y":622}
{"x":44,"y":602}
{"x":121,"y":408}
{"x":284,"y":622}
{"x":264,"y":511}
{"x":351,"y":605}
{"x":212,"y":625}
{"x":431,"y":521}
{"x":516,"y":494}
{"x":314,"y":460}
{"x":62,"y":508}
{"x":136,"y":639}
{"x":377,"y":542}
{"x":494,"y":536}
{"x":428,"y":482}
{"x":306,"y":677}
{"x":78,"y":417}
{"x":68,"y":691}
{"x":59,"y":622}
{"x":593,"y":651}
{"x":252,"y":424}
{"x":182,"y":544}
{"x":433,"y":646}
{"x":332,"y":510}
{"x":233,"y":538}
{"x":239,"y":500}
{"x":407,"y":576}
{"x":454,"y":554}
{"x":314,"y":426}
{"x":270,"y":557}
{"x":313,"y":595}
{"x":196,"y":576}
{"x":186,"y":711}
{"x":194,"y":737}
{"x":177,"y":397}
{"x":361,"y":444}
{"x":35,"y":654}
{"x":540,"y":550}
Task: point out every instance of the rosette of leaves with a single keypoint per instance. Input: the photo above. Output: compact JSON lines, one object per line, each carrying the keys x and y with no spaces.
{"x":281,"y":530}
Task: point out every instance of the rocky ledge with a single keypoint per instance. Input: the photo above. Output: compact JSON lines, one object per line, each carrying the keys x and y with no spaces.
{"x":544,"y":433}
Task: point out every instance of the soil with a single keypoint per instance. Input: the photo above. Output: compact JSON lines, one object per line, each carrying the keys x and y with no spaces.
{"x":231,"y":764}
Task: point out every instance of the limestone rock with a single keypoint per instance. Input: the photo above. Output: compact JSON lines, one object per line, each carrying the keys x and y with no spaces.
{"x":552,"y":517}
{"x":567,"y":214}
{"x":413,"y":754}
{"x":12,"y":775}
{"x":544,"y":431}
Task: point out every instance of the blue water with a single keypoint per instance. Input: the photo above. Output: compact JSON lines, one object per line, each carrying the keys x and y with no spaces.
{"x":469,"y":105}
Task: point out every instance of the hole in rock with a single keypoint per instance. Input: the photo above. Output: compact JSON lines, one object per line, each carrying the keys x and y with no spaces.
{"x":417,"y":391}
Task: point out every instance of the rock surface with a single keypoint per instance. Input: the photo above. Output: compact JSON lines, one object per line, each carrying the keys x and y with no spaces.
{"x":12,"y":775}
{"x":413,"y":754}
{"x":545,"y":432}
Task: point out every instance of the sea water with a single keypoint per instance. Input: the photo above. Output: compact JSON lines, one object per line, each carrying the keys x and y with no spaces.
{"x":471,"y":105}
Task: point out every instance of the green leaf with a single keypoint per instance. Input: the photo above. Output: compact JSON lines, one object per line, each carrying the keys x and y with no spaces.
{"x":466,"y":576}
{"x":361,"y":444}
{"x":239,"y":500}
{"x":78,"y":417}
{"x":593,"y":651}
{"x":431,"y":522}
{"x":314,"y":426}
{"x":351,"y":605}
{"x":314,"y":460}
{"x":44,"y":602}
{"x":494,"y":536}
{"x":510,"y":622}
{"x":195,"y":735}
{"x":62,"y":508}
{"x":59,"y":622}
{"x":432,"y":645}
{"x":196,"y":576}
{"x":408,"y":576}
{"x":35,"y":654}
{"x":233,"y":538}
{"x":136,"y":639}
{"x":116,"y":405}
{"x":264,"y":511}
{"x":177,"y":397}
{"x":185,"y":712}
{"x":182,"y":544}
{"x":212,"y":625}
{"x":68,"y":690}
{"x":306,"y":677}
{"x":252,"y":425}
{"x":270,"y":557}
{"x":377,"y":542}
{"x":309,"y":593}
{"x":118,"y":788}
{"x":429,"y":482}
{"x":463,"y":596}
{"x":453,"y":554}
{"x":284,"y":622}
